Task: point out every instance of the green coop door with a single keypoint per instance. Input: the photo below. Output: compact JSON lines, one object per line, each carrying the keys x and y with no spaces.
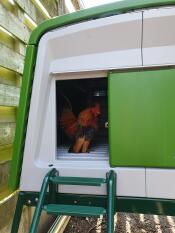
{"x":142,"y":118}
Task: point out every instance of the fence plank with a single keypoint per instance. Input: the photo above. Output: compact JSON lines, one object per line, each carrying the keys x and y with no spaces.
{"x":7,"y":132}
{"x":9,"y":95}
{"x":20,"y":47}
{"x":7,"y":40}
{"x":11,"y":60}
{"x":51,"y":7}
{"x":7,"y":114}
{"x":12,"y":43}
{"x":76,"y":5}
{"x":5,"y":155}
{"x":13,"y":25}
{"x":8,"y":77}
{"x":7,"y":125}
{"x":28,"y":7}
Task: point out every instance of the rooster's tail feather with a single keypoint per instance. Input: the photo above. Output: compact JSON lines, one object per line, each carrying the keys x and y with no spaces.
{"x":68,"y":122}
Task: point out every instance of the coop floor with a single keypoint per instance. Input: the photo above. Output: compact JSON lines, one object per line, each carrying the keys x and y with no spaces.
{"x":97,"y":151}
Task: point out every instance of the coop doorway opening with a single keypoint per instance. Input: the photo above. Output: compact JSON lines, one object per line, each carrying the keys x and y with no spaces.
{"x":82,"y":119}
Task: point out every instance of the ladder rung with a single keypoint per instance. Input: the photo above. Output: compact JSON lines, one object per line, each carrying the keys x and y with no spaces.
{"x":78,"y":180}
{"x":73,"y":210}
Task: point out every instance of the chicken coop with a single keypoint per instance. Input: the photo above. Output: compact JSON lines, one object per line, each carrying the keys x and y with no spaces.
{"x":114,"y":64}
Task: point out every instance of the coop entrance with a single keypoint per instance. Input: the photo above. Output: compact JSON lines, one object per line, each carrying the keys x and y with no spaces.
{"x":82,"y":119}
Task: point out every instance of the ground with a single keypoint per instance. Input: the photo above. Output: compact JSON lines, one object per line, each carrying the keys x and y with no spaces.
{"x":124,"y":223}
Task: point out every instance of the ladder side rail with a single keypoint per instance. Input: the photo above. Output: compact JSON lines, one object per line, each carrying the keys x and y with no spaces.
{"x":111,"y":193}
{"x":38,"y":209}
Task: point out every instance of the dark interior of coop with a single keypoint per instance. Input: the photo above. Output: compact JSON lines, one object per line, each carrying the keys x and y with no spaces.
{"x":73,"y":97}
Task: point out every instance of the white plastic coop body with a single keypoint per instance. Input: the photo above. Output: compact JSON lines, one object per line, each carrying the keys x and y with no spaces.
{"x":84,"y":54}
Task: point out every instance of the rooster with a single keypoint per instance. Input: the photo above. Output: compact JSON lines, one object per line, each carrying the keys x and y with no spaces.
{"x":81,"y":129}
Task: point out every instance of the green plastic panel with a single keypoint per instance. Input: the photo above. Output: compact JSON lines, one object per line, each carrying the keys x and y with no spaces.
{"x":142,"y":118}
